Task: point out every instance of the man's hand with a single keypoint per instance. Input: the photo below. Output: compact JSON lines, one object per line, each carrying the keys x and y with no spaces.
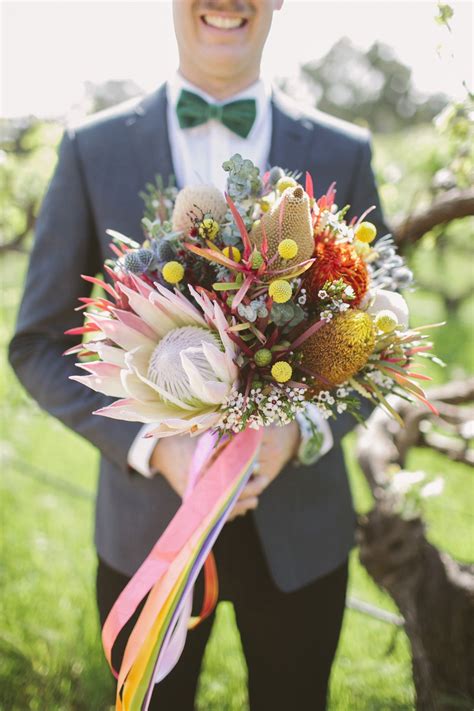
{"x":172,"y":458}
{"x":279,"y":446}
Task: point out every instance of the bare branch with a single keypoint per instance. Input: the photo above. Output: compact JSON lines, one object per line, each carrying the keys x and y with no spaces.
{"x":452,"y":205}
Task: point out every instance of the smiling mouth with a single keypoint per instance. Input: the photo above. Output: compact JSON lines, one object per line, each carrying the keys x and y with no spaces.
{"x":221,"y":22}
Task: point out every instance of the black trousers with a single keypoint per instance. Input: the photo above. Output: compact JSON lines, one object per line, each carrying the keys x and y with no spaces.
{"x":289,"y":639}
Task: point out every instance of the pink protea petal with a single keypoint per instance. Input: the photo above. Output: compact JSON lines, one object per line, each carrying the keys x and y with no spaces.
{"x":141,"y":286}
{"x":223,"y":366}
{"x":136,"y":388}
{"x":150,"y":312}
{"x":111,"y":386}
{"x":108,"y":353}
{"x":194,"y":426}
{"x":179,"y":306}
{"x":212,"y":393}
{"x":220,"y":322}
{"x":132,"y":411}
{"x":139,"y":359}
{"x":101,"y":368}
{"x":165,"y":395}
{"x":203,"y":301}
{"x":124,"y":336}
{"x":133,"y":321}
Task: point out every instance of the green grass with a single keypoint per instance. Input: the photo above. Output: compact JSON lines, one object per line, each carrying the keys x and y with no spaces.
{"x":50,"y":653}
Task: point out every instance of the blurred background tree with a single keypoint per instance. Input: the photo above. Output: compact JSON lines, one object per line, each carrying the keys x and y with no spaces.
{"x":372,"y":88}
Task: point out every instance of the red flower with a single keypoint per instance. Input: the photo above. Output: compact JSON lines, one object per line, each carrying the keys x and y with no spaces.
{"x":337,"y":260}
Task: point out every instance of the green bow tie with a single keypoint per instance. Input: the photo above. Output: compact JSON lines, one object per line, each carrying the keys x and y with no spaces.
{"x":238,"y":116}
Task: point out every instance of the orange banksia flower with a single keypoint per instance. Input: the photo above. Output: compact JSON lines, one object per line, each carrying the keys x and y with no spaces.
{"x":337,"y":260}
{"x":340,"y":348}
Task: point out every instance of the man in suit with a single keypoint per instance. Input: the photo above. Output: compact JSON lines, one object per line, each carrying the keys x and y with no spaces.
{"x":283,"y":558}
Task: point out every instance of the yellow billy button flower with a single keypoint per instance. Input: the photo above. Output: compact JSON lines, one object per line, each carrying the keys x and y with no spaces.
{"x":366,"y":232}
{"x":288,"y":249}
{"x":173,"y":272}
{"x":208,"y":228}
{"x":280,"y":290}
{"x":232,"y":253}
{"x":286,"y":182}
{"x":386,"y":321}
{"x":282,"y":371}
{"x":265,"y":204}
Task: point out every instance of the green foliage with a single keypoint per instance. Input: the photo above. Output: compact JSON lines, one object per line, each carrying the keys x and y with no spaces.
{"x":27,"y":159}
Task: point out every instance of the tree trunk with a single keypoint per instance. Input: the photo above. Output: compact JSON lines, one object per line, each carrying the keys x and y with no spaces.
{"x":434,"y":593}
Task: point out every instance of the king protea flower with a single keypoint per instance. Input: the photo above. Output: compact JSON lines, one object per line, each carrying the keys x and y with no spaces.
{"x":168,"y":362}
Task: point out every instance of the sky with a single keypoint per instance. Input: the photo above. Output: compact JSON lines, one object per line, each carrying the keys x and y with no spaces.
{"x":49,"y":49}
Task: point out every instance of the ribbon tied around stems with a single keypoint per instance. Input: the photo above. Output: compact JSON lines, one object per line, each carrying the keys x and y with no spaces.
{"x":169,"y":572}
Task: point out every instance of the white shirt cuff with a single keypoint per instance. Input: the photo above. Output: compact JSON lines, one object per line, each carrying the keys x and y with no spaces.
{"x":141,"y":450}
{"x":310,"y":450}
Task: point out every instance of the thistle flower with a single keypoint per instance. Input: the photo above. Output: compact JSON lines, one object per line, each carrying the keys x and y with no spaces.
{"x":138,"y":261}
{"x":196,"y":201}
{"x":170,"y":363}
{"x":341,"y":347}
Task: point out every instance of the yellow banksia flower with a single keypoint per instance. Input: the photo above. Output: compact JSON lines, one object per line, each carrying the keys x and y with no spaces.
{"x":288,"y":249}
{"x":366,"y":232}
{"x":280,"y":290}
{"x":341,"y":347}
{"x":232,"y":253}
{"x":286,"y":182}
{"x":282,"y":371}
{"x":208,"y":228}
{"x":173,"y":272}
{"x":386,"y":321}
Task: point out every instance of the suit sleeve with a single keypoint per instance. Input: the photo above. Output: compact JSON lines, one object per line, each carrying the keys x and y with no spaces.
{"x":363,"y":191}
{"x":65,"y":246}
{"x":363,"y":194}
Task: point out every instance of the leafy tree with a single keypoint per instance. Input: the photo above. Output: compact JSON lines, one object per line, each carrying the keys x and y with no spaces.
{"x":373,"y":88}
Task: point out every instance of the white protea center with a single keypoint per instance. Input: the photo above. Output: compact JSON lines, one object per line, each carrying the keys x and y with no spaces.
{"x":166,"y":367}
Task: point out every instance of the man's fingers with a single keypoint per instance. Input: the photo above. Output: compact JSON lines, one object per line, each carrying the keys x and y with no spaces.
{"x":254,"y":487}
{"x":242,"y":506}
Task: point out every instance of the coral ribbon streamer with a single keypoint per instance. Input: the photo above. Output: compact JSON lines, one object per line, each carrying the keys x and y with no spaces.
{"x":171,"y":569}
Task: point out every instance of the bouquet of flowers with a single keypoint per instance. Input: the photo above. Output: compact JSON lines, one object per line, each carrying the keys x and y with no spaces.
{"x":236,"y":312}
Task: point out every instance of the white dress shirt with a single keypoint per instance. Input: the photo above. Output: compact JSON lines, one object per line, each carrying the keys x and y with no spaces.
{"x":197,"y":154}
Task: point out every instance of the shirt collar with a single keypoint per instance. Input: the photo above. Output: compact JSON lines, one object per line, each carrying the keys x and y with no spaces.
{"x":259,"y":90}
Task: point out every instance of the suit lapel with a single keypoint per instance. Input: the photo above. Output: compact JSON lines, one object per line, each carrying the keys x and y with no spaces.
{"x":292,"y":136}
{"x":149,"y":130}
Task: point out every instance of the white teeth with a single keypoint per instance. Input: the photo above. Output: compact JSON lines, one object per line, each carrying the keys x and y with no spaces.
{"x":223,"y":23}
